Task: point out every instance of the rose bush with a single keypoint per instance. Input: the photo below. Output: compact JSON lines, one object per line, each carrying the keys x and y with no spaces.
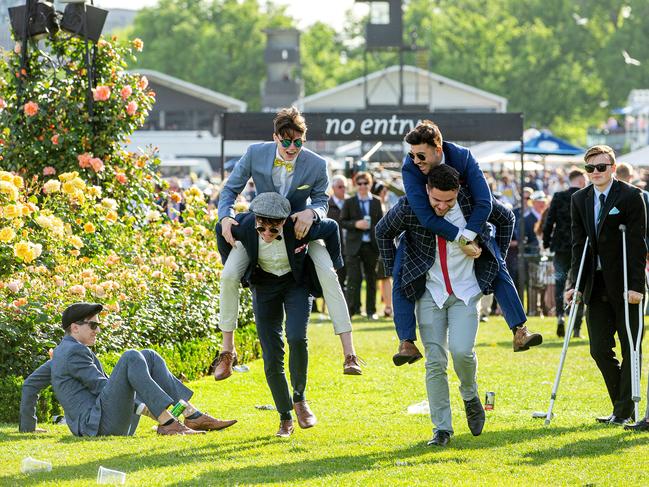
{"x":81,"y":218}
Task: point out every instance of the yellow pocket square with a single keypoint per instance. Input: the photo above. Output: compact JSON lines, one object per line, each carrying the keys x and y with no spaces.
{"x":304,"y":186}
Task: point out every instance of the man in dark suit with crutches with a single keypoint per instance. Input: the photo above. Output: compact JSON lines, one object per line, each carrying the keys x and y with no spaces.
{"x":599,"y":211}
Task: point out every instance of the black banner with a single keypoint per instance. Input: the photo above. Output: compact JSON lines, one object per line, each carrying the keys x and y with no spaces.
{"x":380,"y":126}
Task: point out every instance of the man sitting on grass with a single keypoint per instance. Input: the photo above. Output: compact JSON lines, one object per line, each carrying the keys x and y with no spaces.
{"x":98,"y":405}
{"x":282,"y":277}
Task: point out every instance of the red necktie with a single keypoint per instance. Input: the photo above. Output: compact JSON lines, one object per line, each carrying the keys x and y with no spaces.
{"x":441,"y":246}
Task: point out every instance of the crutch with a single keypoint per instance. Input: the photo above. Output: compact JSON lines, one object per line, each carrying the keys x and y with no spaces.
{"x":634,"y":348}
{"x":566,"y":341}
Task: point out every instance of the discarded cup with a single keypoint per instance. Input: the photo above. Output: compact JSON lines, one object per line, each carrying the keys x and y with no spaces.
{"x":30,"y":465}
{"x":241,"y":368}
{"x":108,"y":476}
{"x":419,"y":408}
{"x":265,"y":407}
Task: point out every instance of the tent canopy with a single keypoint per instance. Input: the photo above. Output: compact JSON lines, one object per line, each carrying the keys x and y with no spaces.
{"x":636,"y":158}
{"x":548,"y":145}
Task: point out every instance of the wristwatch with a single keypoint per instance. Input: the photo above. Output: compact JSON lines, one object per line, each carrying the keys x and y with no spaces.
{"x":463,"y":241}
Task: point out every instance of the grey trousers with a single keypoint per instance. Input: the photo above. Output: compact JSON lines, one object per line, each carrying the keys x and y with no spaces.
{"x":453,"y":327}
{"x":143,"y":375}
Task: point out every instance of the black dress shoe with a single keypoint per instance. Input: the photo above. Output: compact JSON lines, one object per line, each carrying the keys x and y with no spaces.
{"x":475,"y":416}
{"x":642,"y":425}
{"x":604,"y":419}
{"x":614,"y":420}
{"x":561,"y":330}
{"x":440,"y":438}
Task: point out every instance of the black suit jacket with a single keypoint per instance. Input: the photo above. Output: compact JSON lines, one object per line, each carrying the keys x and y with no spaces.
{"x":335,"y":214}
{"x":296,"y":250}
{"x":352,"y":212}
{"x":556,"y":230}
{"x":624,"y":205}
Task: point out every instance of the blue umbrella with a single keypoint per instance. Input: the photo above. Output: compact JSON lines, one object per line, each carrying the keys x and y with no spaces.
{"x":547,"y":144}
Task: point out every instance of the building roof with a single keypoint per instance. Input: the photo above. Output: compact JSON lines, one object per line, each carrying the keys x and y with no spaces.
{"x":407,"y":69}
{"x":191,"y":89}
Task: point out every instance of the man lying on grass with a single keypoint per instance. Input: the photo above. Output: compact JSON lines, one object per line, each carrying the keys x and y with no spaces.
{"x":98,"y":405}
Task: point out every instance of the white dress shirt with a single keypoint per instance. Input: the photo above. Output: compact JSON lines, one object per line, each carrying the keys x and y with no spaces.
{"x":365,"y":204}
{"x":273,"y":257}
{"x":596,"y":209}
{"x":282,"y":179}
{"x":460,"y":268}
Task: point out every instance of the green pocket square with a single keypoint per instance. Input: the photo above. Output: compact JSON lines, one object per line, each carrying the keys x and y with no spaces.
{"x":304,"y":186}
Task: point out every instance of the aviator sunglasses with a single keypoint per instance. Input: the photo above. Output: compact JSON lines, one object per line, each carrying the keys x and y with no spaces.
{"x":420,"y":155}
{"x":262,"y":229}
{"x":286,"y":143}
{"x":599,"y":167}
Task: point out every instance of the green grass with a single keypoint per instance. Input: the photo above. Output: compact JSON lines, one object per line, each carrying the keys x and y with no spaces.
{"x":364,"y":435}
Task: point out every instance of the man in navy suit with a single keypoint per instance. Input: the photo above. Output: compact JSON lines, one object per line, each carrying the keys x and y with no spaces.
{"x":427,"y":150}
{"x":286,"y":167}
{"x":279,"y":274}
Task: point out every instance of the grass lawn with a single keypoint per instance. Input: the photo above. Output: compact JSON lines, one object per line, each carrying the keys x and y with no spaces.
{"x":364,"y":435}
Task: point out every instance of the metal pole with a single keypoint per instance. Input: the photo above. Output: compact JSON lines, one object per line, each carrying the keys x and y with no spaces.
{"x":522,"y":280}
{"x":222,"y":147}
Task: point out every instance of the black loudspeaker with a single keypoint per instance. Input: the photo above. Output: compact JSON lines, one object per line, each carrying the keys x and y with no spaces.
{"x":73,"y":17}
{"x":42,"y":22}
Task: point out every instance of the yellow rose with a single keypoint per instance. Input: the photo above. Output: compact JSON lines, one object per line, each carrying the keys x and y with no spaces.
{"x":13,"y":211}
{"x":109,"y":203}
{"x":67,"y":176}
{"x":9,"y":189}
{"x":112,"y":216}
{"x":75,"y":241}
{"x":7,"y":234}
{"x":18,"y":182}
{"x":6,"y":176}
{"x":89,"y":228}
{"x":27,"y":251}
{"x":52,"y":186}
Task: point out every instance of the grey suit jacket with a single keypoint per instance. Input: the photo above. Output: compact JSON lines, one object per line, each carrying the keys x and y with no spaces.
{"x":77,"y":377}
{"x":310,"y":180}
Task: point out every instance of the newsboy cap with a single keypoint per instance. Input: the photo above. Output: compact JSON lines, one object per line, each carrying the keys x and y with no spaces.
{"x":78,"y":312}
{"x":271,"y":205}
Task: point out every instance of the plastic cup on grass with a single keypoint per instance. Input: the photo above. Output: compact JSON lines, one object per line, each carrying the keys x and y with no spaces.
{"x":30,"y":465}
{"x":108,"y":476}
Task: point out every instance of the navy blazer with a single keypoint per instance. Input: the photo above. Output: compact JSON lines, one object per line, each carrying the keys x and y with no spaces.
{"x":296,"y":250}
{"x":471,"y":176}
{"x":77,"y":378}
{"x":420,"y":244}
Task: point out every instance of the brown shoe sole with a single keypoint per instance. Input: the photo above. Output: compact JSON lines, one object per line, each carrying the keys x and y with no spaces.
{"x":533,"y":342}
{"x":400,"y":360}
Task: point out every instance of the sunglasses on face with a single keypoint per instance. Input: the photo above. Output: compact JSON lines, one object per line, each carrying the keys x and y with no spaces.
{"x":262,"y":229}
{"x":92,"y":324}
{"x":420,"y":155}
{"x":362,"y":183}
{"x":598,"y":167}
{"x":286,"y":143}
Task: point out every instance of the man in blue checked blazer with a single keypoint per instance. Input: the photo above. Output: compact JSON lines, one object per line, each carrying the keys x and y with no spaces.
{"x":429,"y":150}
{"x":286,"y":167}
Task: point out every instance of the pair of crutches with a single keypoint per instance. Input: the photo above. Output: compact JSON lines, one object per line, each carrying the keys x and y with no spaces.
{"x":634,"y":348}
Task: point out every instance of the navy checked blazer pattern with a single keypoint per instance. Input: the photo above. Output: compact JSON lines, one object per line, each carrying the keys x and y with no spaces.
{"x":420,"y":244}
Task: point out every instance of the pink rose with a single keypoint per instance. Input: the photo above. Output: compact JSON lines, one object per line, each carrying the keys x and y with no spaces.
{"x":143,"y":83}
{"x":84,"y":160}
{"x":96,"y":164}
{"x":3,"y":104}
{"x":15,"y":286}
{"x":121,"y":178}
{"x":188,"y":231}
{"x":55,"y":139}
{"x":30,"y":108}
{"x":126,"y":92}
{"x":101,"y":93}
{"x":49,"y":171}
{"x":131,"y":108}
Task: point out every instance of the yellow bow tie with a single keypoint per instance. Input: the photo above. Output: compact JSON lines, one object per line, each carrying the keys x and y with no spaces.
{"x":286,"y":164}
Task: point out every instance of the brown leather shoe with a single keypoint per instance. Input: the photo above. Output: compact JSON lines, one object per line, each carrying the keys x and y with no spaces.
{"x":408,"y":353}
{"x":205,"y":422}
{"x":524,"y":339}
{"x":305,"y":417}
{"x":223,"y":368}
{"x":286,"y":428}
{"x":352,"y":365}
{"x":177,"y":428}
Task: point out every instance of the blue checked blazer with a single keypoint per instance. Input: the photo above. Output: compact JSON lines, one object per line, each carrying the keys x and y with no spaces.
{"x":420,"y":244}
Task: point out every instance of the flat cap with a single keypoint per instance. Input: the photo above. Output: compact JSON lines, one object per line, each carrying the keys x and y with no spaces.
{"x":271,"y":205}
{"x":78,"y":312}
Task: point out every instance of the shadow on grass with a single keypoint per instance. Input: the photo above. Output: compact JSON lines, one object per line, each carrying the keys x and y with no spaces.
{"x":386,"y":327}
{"x":552,"y":344}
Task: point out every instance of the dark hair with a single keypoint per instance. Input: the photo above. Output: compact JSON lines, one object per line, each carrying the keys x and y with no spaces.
{"x":444,"y":178}
{"x":427,"y":132}
{"x":289,"y":120}
{"x":273,"y":222}
{"x":600,"y":149}
{"x":575,"y":173}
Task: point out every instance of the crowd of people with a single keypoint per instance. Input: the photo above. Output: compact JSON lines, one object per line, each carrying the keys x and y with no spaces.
{"x":448,"y":243}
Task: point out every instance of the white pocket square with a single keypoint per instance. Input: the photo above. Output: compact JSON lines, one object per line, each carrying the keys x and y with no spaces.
{"x":614,"y":211}
{"x":304,"y":186}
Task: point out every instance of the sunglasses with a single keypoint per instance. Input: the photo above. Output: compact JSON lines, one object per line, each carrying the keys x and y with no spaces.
{"x":92,"y":324}
{"x":362,"y":183}
{"x":262,"y":229}
{"x":420,"y":155}
{"x":286,"y":143}
{"x":599,"y":167}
